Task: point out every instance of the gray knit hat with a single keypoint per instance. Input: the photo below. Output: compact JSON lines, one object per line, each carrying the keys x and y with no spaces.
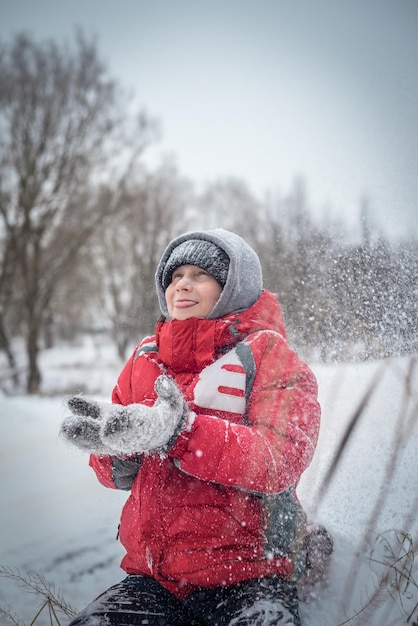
{"x":244,"y":280}
{"x":204,"y":254}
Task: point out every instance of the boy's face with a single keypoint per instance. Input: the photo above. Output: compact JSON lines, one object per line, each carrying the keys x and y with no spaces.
{"x":191,"y":293}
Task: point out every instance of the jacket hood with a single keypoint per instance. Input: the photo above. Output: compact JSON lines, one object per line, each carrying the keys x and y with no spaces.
{"x":244,"y":281}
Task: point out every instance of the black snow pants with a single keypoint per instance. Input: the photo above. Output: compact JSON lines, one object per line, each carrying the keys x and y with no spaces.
{"x":138,"y":600}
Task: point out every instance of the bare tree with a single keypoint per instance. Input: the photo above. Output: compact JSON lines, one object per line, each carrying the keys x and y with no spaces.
{"x":154,"y":211}
{"x":298,"y":260}
{"x":228,"y":203}
{"x":63,"y":132}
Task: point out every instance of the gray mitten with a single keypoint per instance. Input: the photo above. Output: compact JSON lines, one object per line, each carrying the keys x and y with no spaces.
{"x":138,"y":428}
{"x":82,"y":429}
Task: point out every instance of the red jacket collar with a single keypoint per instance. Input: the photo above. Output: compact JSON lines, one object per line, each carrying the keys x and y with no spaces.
{"x":190,"y":345}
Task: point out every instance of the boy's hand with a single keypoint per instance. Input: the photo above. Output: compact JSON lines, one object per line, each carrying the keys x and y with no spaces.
{"x":84,"y":433}
{"x":139,"y":428}
{"x":104,"y":428}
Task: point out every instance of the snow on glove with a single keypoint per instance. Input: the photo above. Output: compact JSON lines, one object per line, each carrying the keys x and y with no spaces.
{"x":139,"y":428}
{"x":82,"y":429}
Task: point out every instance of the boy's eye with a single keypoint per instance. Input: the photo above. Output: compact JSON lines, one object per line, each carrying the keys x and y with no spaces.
{"x":179,"y":274}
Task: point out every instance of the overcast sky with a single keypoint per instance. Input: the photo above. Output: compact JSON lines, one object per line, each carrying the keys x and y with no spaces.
{"x":267,"y":90}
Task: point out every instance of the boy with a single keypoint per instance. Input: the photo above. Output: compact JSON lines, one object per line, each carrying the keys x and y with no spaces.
{"x":213,"y":421}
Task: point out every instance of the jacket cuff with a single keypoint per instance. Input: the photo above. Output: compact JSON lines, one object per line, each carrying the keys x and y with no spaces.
{"x":181,"y":444}
{"x":124,"y":471}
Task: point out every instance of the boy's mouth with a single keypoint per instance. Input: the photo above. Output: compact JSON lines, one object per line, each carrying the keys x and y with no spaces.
{"x":184,"y":303}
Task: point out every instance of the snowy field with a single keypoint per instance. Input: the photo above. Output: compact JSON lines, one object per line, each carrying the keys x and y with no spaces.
{"x":56,"y":518}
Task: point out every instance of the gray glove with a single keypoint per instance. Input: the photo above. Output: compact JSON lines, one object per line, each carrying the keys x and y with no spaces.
{"x":140,"y":428}
{"x":114,"y":429}
{"x":82,"y":429}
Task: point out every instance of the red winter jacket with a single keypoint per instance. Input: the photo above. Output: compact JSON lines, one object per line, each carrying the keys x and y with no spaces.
{"x":200,"y":515}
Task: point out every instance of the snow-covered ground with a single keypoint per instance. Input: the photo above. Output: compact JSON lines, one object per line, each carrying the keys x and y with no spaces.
{"x":56,"y":518}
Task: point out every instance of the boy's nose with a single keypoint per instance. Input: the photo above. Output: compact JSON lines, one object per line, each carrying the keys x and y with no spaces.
{"x":184,"y":283}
